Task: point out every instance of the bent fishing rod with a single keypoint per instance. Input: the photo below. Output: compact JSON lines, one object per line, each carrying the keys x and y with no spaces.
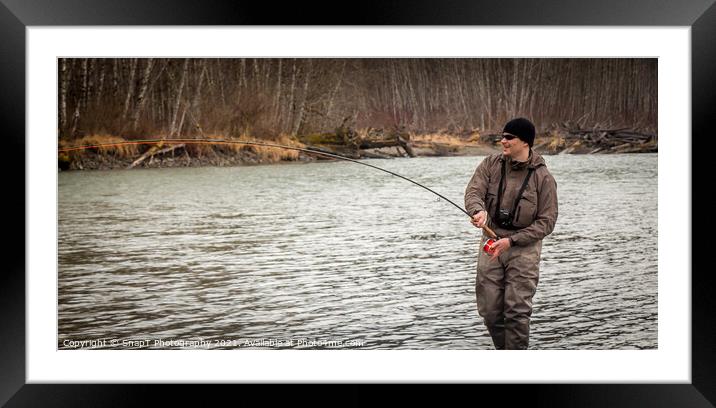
{"x":239,"y":142}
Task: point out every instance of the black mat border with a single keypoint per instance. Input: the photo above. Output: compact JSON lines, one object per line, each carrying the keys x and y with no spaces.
{"x":16,"y":15}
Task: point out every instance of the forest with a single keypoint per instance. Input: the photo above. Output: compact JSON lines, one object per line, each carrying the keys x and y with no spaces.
{"x":296,"y":98}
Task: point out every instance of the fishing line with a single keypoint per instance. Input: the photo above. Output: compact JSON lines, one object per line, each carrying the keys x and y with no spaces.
{"x":230,"y":142}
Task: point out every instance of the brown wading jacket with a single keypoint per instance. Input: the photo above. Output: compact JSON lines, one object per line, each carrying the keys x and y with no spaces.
{"x":535,"y":214}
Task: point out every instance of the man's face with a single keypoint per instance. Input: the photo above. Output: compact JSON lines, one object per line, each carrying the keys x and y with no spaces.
{"x":512,"y":145}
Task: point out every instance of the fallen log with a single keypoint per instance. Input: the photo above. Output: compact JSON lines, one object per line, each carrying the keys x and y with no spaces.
{"x":372,"y":138}
{"x":613,"y":140}
{"x":154,"y":150}
{"x":622,"y":147}
{"x":374,"y":155}
{"x":377,"y":144}
{"x":349,"y":154}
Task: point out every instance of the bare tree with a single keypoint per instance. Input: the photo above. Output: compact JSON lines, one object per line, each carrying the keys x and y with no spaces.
{"x":130,"y":90}
{"x":173,"y":128}
{"x":143,"y":84}
{"x":302,"y":109}
{"x":64,"y":79}
{"x":295,"y":96}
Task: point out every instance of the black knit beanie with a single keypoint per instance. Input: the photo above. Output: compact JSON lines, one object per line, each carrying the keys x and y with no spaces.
{"x":522,"y":128}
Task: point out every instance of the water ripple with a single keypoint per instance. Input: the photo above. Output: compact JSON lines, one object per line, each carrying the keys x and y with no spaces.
{"x":335,"y":252}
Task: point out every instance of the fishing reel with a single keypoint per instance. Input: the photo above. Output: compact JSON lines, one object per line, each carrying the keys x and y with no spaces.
{"x":489,"y":246}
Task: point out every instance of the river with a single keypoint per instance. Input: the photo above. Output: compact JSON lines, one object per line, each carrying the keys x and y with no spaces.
{"x":337,"y":255}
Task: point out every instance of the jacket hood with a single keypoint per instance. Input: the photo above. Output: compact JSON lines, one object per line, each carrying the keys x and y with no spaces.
{"x":536,"y":160}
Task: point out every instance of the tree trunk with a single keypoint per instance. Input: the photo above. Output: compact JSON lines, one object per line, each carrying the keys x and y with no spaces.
{"x":292,"y":99}
{"x":194,"y":106}
{"x":139,"y":104}
{"x":180,"y":87}
{"x":100,"y":86}
{"x":302,"y":109}
{"x":83,"y":89}
{"x":257,"y":77}
{"x":335,"y":90}
{"x":115,"y":78}
{"x":75,"y":121}
{"x":64,"y":79}
{"x":277,"y":101}
{"x":90,"y":82}
{"x":130,"y":91}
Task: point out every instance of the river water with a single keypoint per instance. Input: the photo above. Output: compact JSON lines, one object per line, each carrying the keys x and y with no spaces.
{"x":337,"y":255}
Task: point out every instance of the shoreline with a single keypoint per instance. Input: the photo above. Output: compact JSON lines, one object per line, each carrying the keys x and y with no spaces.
{"x":93,"y":160}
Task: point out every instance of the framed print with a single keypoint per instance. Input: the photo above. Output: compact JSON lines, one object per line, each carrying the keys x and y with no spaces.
{"x":48,"y":350}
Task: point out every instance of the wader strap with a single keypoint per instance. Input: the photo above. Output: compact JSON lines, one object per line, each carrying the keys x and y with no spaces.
{"x":522,"y":190}
{"x":499,"y":190}
{"x":519,"y":195}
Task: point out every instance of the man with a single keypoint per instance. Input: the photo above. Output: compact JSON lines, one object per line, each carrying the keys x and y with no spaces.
{"x":515,"y":195}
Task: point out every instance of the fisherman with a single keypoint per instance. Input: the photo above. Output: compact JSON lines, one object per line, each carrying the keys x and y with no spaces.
{"x":514,"y":195}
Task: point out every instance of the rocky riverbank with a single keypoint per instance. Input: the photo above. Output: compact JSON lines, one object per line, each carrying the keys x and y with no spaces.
{"x":123,"y":156}
{"x":96,"y":161}
{"x":92,"y":160}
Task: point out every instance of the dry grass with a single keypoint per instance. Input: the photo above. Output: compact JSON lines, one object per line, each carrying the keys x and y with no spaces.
{"x":123,"y":152}
{"x":263,"y":153}
{"x":556,"y":141}
{"x":438,"y":139}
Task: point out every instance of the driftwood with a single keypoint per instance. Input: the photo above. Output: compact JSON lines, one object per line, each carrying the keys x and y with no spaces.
{"x":154,"y":150}
{"x":343,"y":152}
{"x":568,"y":138}
{"x":377,"y":144}
{"x":356,"y":144}
{"x":375,"y":155}
{"x":606,"y":138}
{"x":602,"y":139}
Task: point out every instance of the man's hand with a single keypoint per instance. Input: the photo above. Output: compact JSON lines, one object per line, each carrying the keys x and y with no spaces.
{"x":499,"y":247}
{"x":478,"y":219}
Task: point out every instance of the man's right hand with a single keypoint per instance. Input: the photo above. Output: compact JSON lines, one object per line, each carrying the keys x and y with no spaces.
{"x":478,"y":220}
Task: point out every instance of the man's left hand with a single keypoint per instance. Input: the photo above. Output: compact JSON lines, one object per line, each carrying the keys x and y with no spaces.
{"x":499,"y":247}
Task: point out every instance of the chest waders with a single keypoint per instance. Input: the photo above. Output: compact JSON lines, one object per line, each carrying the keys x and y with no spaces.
{"x":504,"y":288}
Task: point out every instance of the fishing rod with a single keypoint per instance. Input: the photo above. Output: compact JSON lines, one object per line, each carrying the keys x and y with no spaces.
{"x":232,"y":142}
